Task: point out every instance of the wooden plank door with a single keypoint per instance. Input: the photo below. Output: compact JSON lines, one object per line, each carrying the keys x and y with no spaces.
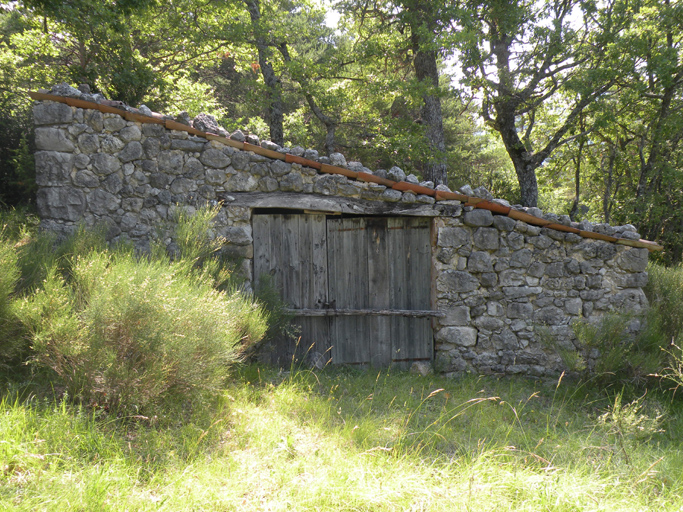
{"x":290,"y":251}
{"x":380,"y":263}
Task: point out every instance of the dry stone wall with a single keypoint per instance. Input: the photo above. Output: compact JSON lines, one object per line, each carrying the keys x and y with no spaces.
{"x":509,"y":291}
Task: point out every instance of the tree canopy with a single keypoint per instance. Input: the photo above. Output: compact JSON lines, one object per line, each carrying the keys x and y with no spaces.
{"x":571,"y":105}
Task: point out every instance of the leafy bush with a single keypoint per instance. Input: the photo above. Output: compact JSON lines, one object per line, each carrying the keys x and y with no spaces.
{"x":130,"y":332}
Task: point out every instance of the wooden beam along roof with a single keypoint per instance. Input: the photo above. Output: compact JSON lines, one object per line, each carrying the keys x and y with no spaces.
{"x":477,"y":202}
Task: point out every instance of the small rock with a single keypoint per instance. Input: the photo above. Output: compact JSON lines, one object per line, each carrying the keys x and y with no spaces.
{"x":145,"y":110}
{"x":84,"y":88}
{"x":338,"y":159}
{"x":443,"y":188}
{"x":65,"y":90}
{"x":253,"y":139}
{"x":205,"y":123}
{"x":483,"y":193}
{"x":297,"y":151}
{"x":311,"y":154}
{"x":184,"y":118}
{"x":411,"y":178}
{"x":238,"y":135}
{"x":467,"y":190}
{"x":427,"y":184}
{"x":396,"y":174}
{"x":421,"y":368}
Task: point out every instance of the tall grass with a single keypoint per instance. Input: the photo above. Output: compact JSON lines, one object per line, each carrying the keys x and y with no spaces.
{"x":345,"y":440}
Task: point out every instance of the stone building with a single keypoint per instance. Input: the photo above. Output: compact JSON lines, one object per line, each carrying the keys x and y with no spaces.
{"x":379,"y":268}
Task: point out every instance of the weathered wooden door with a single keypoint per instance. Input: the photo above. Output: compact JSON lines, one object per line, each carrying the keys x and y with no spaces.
{"x":357,"y":284}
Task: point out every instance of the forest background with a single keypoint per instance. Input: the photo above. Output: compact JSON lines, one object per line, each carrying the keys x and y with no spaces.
{"x":570,"y":105}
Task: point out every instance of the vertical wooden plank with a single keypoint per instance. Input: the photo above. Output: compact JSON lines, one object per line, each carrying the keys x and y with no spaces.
{"x":348,"y":276}
{"x":313,"y":251}
{"x":262,"y":254}
{"x":420,"y":341}
{"x":398,"y":290}
{"x":379,"y":292}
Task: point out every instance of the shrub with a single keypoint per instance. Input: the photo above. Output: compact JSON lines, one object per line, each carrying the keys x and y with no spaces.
{"x":129,"y":332}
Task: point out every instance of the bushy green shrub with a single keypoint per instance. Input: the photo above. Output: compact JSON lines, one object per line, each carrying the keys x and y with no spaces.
{"x":131,"y":332}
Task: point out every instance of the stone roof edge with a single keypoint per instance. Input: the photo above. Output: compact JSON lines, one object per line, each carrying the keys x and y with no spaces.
{"x":130,"y":114}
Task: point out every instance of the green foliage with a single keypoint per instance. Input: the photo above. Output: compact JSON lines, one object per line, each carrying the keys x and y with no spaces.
{"x":121,"y":331}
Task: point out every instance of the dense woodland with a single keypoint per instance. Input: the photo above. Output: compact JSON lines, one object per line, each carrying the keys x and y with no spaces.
{"x":571,"y":105}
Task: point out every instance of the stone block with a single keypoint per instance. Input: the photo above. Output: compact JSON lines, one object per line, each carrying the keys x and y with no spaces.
{"x":453,"y":281}
{"x":86,"y":179}
{"x":454,"y":237}
{"x":112,"y":184}
{"x":132,"y":151}
{"x":459,"y":336}
{"x":114,"y":122}
{"x":111,"y":144}
{"x":53,"y":139}
{"x":549,"y":315}
{"x":53,"y":168}
{"x":63,"y":203}
{"x":241,"y":162}
{"x":521,"y":258}
{"x":486,"y":238}
{"x":183,"y":186}
{"x":152,"y":146}
{"x":214,"y":158}
{"x":478,"y":218}
{"x":292,"y":182}
{"x":52,"y":113}
{"x":479,"y":261}
{"x":188,"y":145}
{"x":456,"y":315}
{"x":488,"y":279}
{"x":101,"y":202}
{"x":171,"y":161}
{"x":242,"y":182}
{"x":503,"y":223}
{"x":522,"y":310}
{"x":633,"y":260}
{"x":104,"y":164}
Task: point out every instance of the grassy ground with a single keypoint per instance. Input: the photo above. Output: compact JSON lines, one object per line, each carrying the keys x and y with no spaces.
{"x":340,"y":440}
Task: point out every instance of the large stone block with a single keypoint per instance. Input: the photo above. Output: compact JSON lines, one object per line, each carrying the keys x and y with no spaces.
{"x":171,"y":161}
{"x":633,"y":260}
{"x":454,"y":237}
{"x":132,"y":151}
{"x":479,"y":261}
{"x":52,"y":113}
{"x":101,"y":202}
{"x":459,"y":336}
{"x":478,"y":218}
{"x":486,"y":238}
{"x":64,"y":203}
{"x":104,"y":164}
{"x":53,"y":168}
{"x":454,"y":281}
{"x":214,"y":158}
{"x":53,"y":139}
{"x":456,"y":315}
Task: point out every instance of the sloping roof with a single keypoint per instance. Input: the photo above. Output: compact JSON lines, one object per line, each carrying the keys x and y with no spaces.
{"x":132,"y":114}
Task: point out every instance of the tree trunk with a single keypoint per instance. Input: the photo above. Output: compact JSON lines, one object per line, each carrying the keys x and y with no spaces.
{"x":427,"y":72}
{"x":274,"y":95}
